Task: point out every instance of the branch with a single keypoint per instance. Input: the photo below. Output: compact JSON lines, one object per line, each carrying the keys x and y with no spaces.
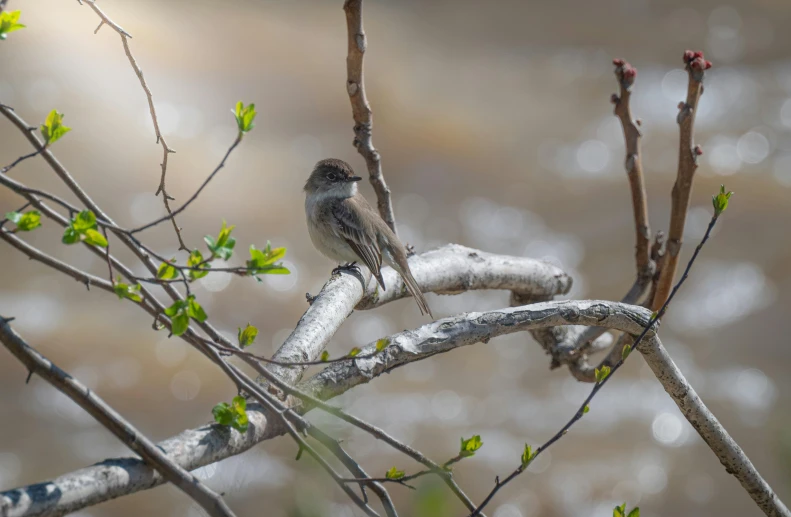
{"x":160,"y":139}
{"x":688,"y":154}
{"x":626,"y":73}
{"x":112,"y":421}
{"x":361,"y":109}
{"x":450,"y":269}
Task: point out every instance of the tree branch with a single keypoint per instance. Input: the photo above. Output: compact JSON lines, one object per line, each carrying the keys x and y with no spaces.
{"x":114,"y":422}
{"x":361,"y":109}
{"x":688,"y":154}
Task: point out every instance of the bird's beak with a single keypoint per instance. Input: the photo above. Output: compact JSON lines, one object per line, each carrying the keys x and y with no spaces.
{"x":354,"y":178}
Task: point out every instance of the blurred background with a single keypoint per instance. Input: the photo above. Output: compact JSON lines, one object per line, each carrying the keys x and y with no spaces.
{"x":496,"y":131}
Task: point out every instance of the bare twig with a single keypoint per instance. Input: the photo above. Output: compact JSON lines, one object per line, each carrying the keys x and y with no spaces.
{"x":361,"y":109}
{"x":114,"y":422}
{"x":160,"y":139}
{"x":688,"y":154}
{"x":626,"y":74}
{"x":13,"y":164}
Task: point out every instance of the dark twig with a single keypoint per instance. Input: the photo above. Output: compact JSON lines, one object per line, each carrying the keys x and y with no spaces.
{"x":361,"y":109}
{"x":113,"y":421}
{"x":18,"y":160}
{"x":195,"y":195}
{"x":688,"y":154}
{"x":598,"y":386}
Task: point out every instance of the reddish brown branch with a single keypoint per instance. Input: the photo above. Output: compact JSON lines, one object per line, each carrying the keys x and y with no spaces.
{"x":361,"y":110}
{"x":626,"y":74}
{"x":688,"y":154}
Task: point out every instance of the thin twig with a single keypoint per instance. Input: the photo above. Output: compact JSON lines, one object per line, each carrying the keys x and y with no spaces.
{"x":172,"y":214}
{"x":361,"y":109}
{"x":13,"y":164}
{"x":688,"y":154}
{"x":149,"y":97}
{"x":598,"y":386}
{"x":113,"y":422}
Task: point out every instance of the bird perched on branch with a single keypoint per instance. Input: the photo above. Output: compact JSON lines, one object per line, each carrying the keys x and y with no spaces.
{"x":344,"y":227}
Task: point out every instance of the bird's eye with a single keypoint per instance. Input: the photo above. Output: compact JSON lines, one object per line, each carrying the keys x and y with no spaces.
{"x":332,"y":176}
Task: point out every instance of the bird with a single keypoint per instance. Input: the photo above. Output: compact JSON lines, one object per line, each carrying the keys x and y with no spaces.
{"x":345,"y":228}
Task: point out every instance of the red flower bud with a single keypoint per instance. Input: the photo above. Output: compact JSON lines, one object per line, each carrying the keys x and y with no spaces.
{"x":618,"y":62}
{"x":698,"y":150}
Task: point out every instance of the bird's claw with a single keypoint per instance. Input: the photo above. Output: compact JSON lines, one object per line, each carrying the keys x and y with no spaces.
{"x":351,"y":267}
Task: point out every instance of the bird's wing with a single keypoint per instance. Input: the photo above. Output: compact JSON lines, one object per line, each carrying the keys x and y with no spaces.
{"x":348,"y":223}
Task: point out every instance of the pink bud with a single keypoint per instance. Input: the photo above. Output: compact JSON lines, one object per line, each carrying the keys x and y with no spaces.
{"x":698,"y":150}
{"x":682,"y":105}
{"x":618,"y":62}
{"x":629,"y":72}
{"x":688,"y":56}
{"x":708,"y":64}
{"x":614,"y":98}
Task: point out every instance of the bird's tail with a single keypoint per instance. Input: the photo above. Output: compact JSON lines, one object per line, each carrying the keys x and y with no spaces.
{"x":415,"y":291}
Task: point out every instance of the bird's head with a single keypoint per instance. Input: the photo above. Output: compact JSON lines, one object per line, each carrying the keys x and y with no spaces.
{"x":332,"y":178}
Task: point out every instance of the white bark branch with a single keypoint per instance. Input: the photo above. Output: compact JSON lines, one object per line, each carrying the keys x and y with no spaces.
{"x":451,"y":269}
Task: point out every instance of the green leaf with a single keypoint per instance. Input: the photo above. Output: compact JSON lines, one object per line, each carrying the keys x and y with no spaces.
{"x":381,"y":344}
{"x":470,"y":445}
{"x":52,"y":128}
{"x":263,"y":261}
{"x":8,"y":23}
{"x":619,"y":511}
{"x":85,"y":220}
{"x":222,"y":247}
{"x":720,"y":201}
{"x":196,"y":260}
{"x":244,"y":116}
{"x":354,"y":352}
{"x":223,"y":413}
{"x":394,"y":473}
{"x":70,"y":235}
{"x":167,"y":271}
{"x":95,"y":238}
{"x":247,"y":335}
{"x":585,"y":409}
{"x":239,"y":405}
{"x":601,"y":373}
{"x":181,"y":321}
{"x":25,"y":222}
{"x":325,"y":356}
{"x":194,"y":310}
{"x":635,"y":512}
{"x":627,"y":349}
{"x":178,"y":305}
{"x":130,"y":292}
{"x":527,"y":456}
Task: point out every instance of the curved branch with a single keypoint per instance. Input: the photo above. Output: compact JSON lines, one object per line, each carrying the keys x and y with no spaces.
{"x":450,"y":269}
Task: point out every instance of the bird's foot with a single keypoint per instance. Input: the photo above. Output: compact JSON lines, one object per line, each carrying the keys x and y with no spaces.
{"x":351,"y":267}
{"x":410,"y":250}
{"x":310,"y":298}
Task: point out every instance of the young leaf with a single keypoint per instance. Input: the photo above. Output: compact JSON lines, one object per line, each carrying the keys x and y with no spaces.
{"x":194,"y":310}
{"x":70,"y":235}
{"x":470,"y":445}
{"x":8,"y":23}
{"x":247,"y":335}
{"x":239,"y":405}
{"x":52,"y":128}
{"x":527,"y":456}
{"x":625,"y":352}
{"x":601,"y":373}
{"x":222,"y":247}
{"x":223,"y":413}
{"x":325,"y":356}
{"x":178,"y":306}
{"x":167,"y":271}
{"x":354,"y":352}
{"x":263,"y":261}
{"x":394,"y":473}
{"x":85,"y":220}
{"x":130,"y":292}
{"x":381,"y":344}
{"x":585,"y":409}
{"x":635,"y":512}
{"x":180,"y":323}
{"x":95,"y":238}
{"x":196,"y":260}
{"x":25,"y":222}
{"x":619,"y":511}
{"x":244,"y":116}
{"x":720,"y":201}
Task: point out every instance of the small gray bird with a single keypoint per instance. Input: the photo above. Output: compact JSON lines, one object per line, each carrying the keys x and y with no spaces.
{"x":344,"y":227}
